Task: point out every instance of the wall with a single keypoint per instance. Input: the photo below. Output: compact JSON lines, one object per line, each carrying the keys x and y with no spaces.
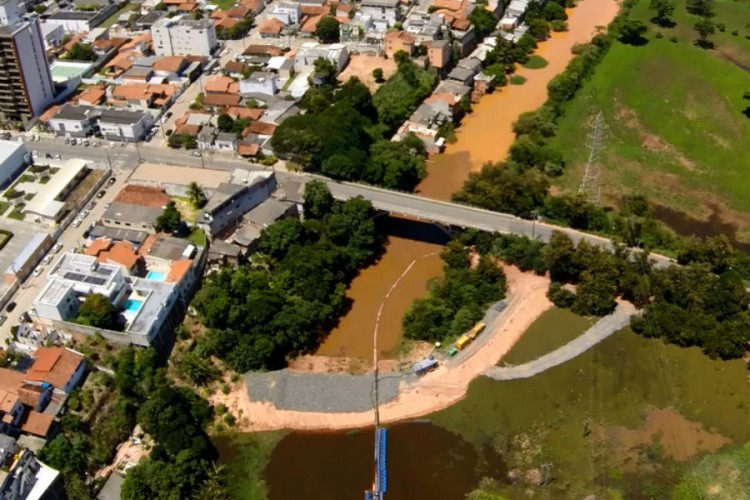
{"x":33,"y":61}
{"x":12,"y":165}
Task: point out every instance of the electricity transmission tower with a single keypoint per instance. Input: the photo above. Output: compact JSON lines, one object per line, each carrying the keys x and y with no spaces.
{"x":591,"y":184}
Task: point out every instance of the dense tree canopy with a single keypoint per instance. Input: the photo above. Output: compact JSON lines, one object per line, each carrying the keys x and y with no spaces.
{"x":81,"y":52}
{"x":327,"y":30}
{"x":400,"y":95}
{"x":457,"y":301}
{"x":260,"y":314}
{"x":170,"y":219}
{"x":98,"y":311}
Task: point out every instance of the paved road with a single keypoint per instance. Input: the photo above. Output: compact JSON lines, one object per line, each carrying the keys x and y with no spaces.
{"x":603,"y":329}
{"x":70,"y":239}
{"x":129,"y":156}
{"x":462,"y":215}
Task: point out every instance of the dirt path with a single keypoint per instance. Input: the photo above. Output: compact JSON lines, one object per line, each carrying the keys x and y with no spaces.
{"x":435,"y":391}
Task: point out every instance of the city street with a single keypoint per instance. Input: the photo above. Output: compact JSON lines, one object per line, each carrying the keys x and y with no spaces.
{"x":70,"y":239}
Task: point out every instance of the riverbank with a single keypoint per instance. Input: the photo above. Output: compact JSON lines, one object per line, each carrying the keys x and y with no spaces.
{"x":435,"y":391}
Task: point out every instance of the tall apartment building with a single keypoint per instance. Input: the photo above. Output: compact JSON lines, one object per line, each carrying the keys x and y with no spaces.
{"x":26,"y":87}
{"x":178,"y":36}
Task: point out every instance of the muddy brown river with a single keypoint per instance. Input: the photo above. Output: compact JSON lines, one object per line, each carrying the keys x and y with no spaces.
{"x":484,"y":136}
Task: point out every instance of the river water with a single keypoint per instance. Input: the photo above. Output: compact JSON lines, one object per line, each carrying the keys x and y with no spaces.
{"x":484,"y":136}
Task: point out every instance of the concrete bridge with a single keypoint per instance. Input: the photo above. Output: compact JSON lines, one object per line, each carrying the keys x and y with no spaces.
{"x":461,"y":216}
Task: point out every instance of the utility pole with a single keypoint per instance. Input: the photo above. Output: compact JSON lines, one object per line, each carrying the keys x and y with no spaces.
{"x":591,"y":184}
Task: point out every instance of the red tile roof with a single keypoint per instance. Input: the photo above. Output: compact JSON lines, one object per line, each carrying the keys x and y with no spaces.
{"x":248,"y":149}
{"x":55,"y":365}
{"x":271,"y":27}
{"x":38,"y":424}
{"x":262,"y":128}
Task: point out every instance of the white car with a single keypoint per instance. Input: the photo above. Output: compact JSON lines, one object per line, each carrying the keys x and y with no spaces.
{"x":38,"y":271}
{"x":57,"y":247}
{"x":47,"y":260}
{"x":77,"y":222}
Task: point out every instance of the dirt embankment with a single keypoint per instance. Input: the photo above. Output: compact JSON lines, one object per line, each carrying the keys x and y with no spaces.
{"x":435,"y":391}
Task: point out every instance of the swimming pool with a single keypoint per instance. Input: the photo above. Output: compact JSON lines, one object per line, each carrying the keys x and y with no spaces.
{"x":156,"y":276}
{"x":133,"y":305}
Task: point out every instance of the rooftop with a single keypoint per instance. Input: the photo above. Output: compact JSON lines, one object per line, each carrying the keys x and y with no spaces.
{"x":166,"y":247}
{"x":155,"y":296}
{"x":55,"y":365}
{"x":121,"y":116}
{"x":269,"y":212}
{"x":38,"y":424}
{"x":131,"y":235}
{"x":131,"y":213}
{"x":45,"y":202}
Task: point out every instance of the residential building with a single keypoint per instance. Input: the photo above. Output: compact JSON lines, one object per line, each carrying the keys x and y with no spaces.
{"x":59,"y":367}
{"x":230,"y":201}
{"x":286,"y":12}
{"x":465,"y":71}
{"x":425,"y":27}
{"x":124,"y":125}
{"x":13,"y":158}
{"x":26,"y":87}
{"x":73,"y":121}
{"x":178,"y":36}
{"x":10,"y":12}
{"x":28,"y":478}
{"x":309,"y":52}
{"x":53,"y":35}
{"x":385,"y":13}
{"x":225,"y":141}
{"x":136,"y":207}
{"x":271,"y":28}
{"x":80,"y":21}
{"x":396,"y":41}
{"x":261,"y":217}
{"x":259,"y":82}
{"x":27,"y":259}
{"x":439,"y":54}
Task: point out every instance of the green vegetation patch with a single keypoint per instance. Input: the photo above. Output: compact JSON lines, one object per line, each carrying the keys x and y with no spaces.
{"x":536,"y":62}
{"x":722,"y":476}
{"x":552,"y":330}
{"x":197,"y":237}
{"x":517,"y":80}
{"x":17,"y":213}
{"x":5,"y":236}
{"x":245,"y":457}
{"x":675,"y":115}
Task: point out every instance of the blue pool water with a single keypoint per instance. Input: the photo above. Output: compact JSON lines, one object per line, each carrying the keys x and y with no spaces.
{"x":133,"y":305}
{"x":156,"y":276}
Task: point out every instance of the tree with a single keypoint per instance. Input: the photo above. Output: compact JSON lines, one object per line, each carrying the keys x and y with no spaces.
{"x":81,"y":52}
{"x":631,"y":32}
{"x":554,"y":12}
{"x":392,"y":164}
{"x":97,"y":311}
{"x":327,"y":30}
{"x":224,"y":122}
{"x":483,"y":20}
{"x":169,"y":221}
{"x":664,"y":11}
{"x":325,"y":70}
{"x":196,"y":195}
{"x":705,"y":28}
{"x":702,"y":8}
{"x":318,"y":200}
{"x":377,"y":74}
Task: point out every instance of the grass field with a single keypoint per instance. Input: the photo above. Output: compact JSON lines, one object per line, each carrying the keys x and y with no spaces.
{"x":536,"y":62}
{"x":677,"y":131}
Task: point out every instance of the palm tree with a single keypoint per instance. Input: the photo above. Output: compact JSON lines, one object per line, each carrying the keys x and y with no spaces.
{"x":196,"y":195}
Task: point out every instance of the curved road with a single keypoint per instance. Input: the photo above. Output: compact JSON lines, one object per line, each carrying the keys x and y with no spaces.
{"x":603,"y":329}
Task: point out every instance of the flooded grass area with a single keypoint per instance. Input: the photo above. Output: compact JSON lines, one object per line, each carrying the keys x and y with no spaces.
{"x":245,"y":457}
{"x":624,"y":416}
{"x":554,"y":328}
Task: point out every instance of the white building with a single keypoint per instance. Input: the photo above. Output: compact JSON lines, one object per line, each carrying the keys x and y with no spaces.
{"x":45,"y":207}
{"x":73,"y":121}
{"x":385,"y":13}
{"x":259,"y":83}
{"x":10,"y":12}
{"x":124,"y":125}
{"x":25,"y":78}
{"x":13,"y":157}
{"x":308,"y":52}
{"x":53,"y":35}
{"x":178,"y":36}
{"x":286,"y":12}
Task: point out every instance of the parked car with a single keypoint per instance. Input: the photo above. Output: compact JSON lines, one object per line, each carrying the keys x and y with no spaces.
{"x":84,"y":214}
{"x":101,"y":194}
{"x":3,"y":318}
{"x":195,"y":153}
{"x":86,"y":233}
{"x":10,"y":307}
{"x":58,"y":156}
{"x":111,"y":181}
{"x":86,"y":142}
{"x":77,"y":222}
{"x":67,"y":140}
{"x":38,"y":271}
{"x":47,"y":260}
{"x":57,"y":247}
{"x":91,"y":205}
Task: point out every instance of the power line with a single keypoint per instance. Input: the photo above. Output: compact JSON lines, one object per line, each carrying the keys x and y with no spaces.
{"x":591,"y":183}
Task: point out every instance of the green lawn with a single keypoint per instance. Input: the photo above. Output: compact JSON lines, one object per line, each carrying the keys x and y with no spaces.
{"x":16,"y":212}
{"x":677,"y":131}
{"x":517,"y":80}
{"x":197,"y":237}
{"x":3,"y":207}
{"x":113,"y":18}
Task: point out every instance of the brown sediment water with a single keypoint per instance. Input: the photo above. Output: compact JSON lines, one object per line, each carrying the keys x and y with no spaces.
{"x":484,"y":136}
{"x":407,"y":241}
